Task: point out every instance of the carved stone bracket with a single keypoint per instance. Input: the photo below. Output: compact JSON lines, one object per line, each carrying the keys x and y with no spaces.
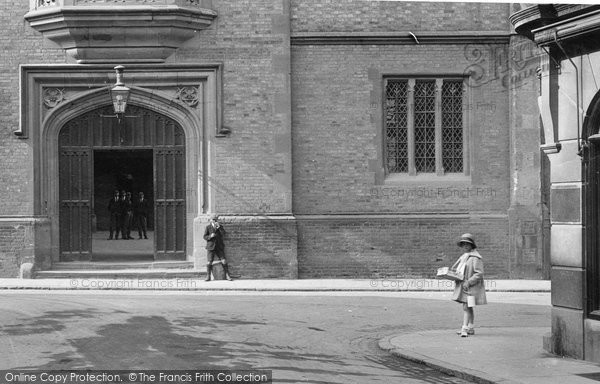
{"x":53,"y":96}
{"x":46,"y":3}
{"x":188,"y":95}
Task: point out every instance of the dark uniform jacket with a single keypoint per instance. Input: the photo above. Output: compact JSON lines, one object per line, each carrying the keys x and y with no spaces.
{"x":141,"y":208}
{"x":114,"y":206}
{"x":216,"y":243}
{"x":126,"y":206}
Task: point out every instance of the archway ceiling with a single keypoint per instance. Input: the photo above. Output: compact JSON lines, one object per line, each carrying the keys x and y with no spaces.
{"x":111,"y":31}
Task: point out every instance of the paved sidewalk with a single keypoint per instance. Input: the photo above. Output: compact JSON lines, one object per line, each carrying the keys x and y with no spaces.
{"x":95,"y":282}
{"x":492,"y":355}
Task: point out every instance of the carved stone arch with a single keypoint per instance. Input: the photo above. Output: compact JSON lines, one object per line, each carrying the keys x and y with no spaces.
{"x":190,"y":120}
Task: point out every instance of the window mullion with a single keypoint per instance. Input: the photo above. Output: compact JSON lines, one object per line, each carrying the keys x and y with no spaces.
{"x":411,"y":127}
{"x":386,"y":139}
{"x":439,"y":168}
{"x":466,"y":160}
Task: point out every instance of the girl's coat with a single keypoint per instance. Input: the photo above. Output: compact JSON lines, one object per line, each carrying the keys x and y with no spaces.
{"x":473,"y":278}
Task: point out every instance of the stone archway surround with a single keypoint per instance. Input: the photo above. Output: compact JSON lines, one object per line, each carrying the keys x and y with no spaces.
{"x":69,"y":91}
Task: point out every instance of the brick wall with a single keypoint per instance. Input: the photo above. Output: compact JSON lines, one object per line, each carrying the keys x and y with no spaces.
{"x":396,"y":246}
{"x":20,"y":45}
{"x":262,"y":247}
{"x":250,"y":168}
{"x":384,"y":16}
{"x":337,"y":135}
{"x":16,"y":247}
{"x":388,"y":228}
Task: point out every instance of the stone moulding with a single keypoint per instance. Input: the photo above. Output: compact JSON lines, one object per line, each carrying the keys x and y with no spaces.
{"x":153,"y":86}
{"x":576,"y":27}
{"x":136,"y":31}
{"x":48,"y":81}
{"x":399,"y":38}
{"x":545,"y":22}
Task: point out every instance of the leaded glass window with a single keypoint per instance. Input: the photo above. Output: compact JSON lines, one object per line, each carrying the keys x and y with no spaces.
{"x":452,"y":126}
{"x":396,"y":126}
{"x":424,"y":126}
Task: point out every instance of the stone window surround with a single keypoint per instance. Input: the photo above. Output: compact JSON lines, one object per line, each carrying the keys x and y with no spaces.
{"x":439,"y":176}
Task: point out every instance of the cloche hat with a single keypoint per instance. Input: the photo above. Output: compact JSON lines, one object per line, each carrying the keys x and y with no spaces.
{"x":467,"y":238}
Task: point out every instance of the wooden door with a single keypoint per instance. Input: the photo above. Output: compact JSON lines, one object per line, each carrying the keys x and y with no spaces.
{"x":75,"y":193}
{"x":169,"y":193}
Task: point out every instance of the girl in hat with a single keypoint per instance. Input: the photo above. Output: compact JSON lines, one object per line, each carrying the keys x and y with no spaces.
{"x":471,"y":290}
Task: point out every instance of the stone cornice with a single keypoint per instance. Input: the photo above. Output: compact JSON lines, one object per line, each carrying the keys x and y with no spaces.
{"x":543,"y":17}
{"x":44,"y":4}
{"x":399,"y":38}
{"x":532,"y":17}
{"x":566,"y":29}
{"x":129,"y":33}
{"x":404,"y":216}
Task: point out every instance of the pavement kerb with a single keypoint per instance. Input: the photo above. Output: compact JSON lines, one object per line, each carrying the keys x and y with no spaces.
{"x":249,"y":285}
{"x":239,"y":289}
{"x":442,"y":366}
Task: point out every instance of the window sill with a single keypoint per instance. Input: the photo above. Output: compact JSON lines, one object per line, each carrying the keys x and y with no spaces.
{"x":427,"y":178}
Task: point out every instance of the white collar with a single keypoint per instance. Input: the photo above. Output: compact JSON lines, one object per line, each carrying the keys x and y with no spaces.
{"x":473,"y":253}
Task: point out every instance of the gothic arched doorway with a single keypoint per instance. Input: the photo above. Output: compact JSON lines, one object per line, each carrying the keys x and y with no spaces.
{"x":143,"y":152}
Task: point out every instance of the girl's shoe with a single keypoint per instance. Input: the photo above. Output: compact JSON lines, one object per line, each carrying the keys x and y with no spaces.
{"x":467,"y":331}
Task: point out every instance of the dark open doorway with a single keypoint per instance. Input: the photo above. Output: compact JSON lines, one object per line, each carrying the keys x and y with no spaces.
{"x":123,"y":170}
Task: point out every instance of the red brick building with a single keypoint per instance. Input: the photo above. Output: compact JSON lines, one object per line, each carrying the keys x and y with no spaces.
{"x":336,"y":139}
